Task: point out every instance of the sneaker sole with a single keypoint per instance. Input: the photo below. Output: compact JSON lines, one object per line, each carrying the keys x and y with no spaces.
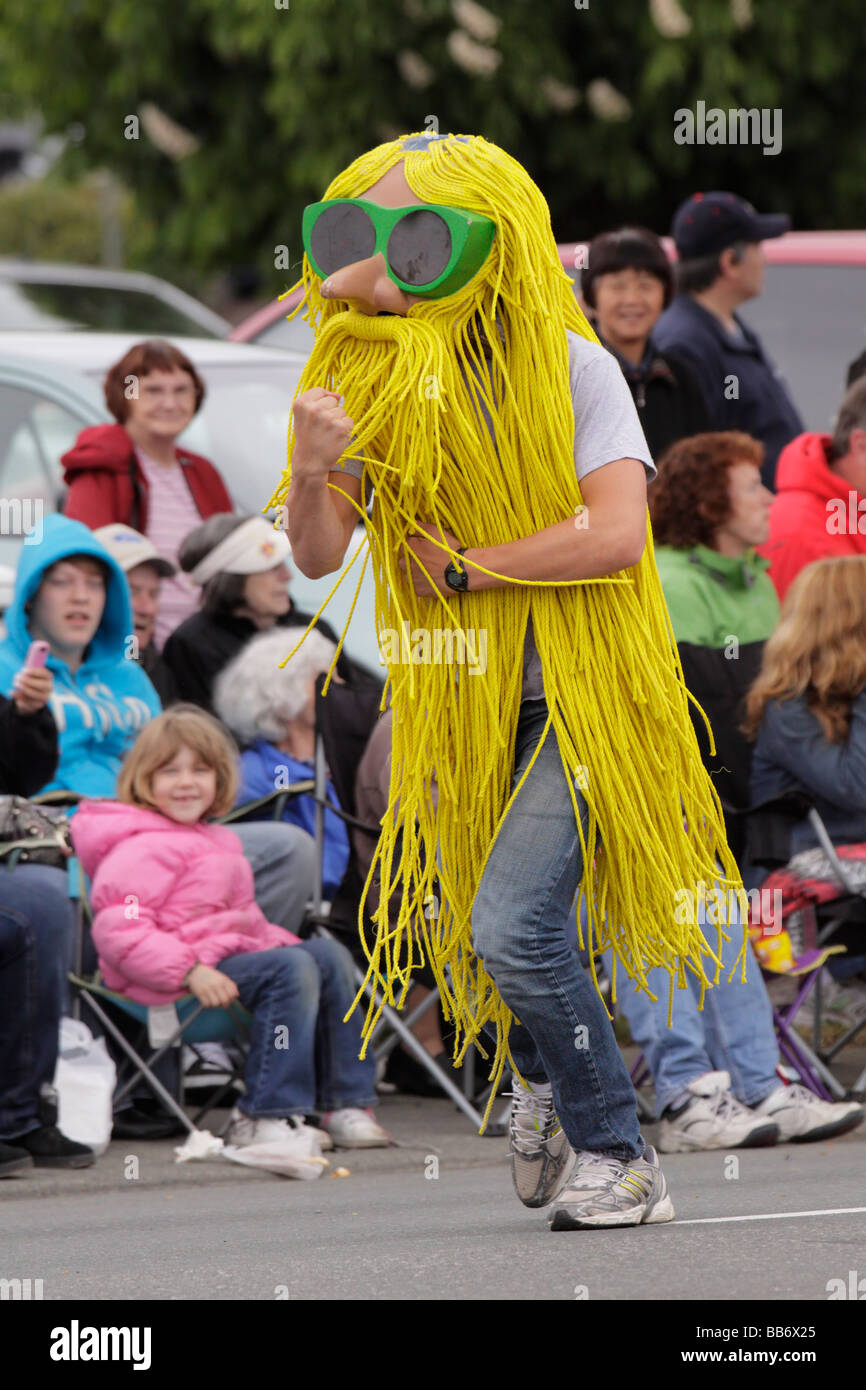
{"x":362,"y":1143}
{"x":761,"y":1138}
{"x":76,"y":1161}
{"x":564,"y":1220}
{"x":830,"y":1131}
{"x":15,"y":1165}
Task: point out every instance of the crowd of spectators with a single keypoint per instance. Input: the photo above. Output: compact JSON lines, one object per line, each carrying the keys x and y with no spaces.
{"x":167,"y":616}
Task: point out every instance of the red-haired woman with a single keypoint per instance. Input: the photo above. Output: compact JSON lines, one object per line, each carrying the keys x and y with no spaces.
{"x":133,"y":472}
{"x":709,"y":509}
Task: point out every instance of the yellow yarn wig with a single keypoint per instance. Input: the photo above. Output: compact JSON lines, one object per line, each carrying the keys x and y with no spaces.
{"x":418,"y":388}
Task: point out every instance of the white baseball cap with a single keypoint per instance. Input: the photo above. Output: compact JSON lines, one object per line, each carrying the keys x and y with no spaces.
{"x":130,"y":548}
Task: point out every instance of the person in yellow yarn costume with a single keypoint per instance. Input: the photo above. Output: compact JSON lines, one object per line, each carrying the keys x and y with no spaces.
{"x":455,"y":379}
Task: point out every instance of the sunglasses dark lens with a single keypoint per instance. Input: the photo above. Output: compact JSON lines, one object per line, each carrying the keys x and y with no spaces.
{"x":419,"y":248}
{"x":340,"y":236}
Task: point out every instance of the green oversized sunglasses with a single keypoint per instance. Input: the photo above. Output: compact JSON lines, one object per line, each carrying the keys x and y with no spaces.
{"x":430,"y":250}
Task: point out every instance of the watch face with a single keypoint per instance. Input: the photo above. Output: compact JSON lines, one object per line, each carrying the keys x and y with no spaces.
{"x":456,"y":578}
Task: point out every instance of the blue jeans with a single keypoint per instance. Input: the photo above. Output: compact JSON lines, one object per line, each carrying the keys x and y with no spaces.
{"x":303,"y":1057}
{"x":734,"y":1031}
{"x":525,"y":933}
{"x":37,"y":923}
{"x":283,"y":860}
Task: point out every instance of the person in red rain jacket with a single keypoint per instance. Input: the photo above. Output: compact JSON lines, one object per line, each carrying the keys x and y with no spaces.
{"x":819,"y":511}
{"x":134,"y":473}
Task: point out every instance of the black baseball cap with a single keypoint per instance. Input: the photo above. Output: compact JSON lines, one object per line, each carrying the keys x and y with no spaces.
{"x":707,"y":223}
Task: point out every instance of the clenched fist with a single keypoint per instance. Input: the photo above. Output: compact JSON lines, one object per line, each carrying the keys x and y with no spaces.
{"x":322,"y":432}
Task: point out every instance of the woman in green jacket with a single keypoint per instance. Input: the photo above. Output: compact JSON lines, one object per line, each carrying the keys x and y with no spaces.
{"x":709,"y":511}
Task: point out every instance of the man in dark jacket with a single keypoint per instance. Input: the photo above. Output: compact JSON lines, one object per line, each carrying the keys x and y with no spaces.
{"x":718,"y":238}
{"x":36,"y":927}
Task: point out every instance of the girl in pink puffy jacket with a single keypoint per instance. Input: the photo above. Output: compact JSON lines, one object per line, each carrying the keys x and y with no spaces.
{"x":174,"y":912}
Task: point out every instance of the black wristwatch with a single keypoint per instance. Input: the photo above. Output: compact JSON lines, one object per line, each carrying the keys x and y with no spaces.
{"x":456,"y":578}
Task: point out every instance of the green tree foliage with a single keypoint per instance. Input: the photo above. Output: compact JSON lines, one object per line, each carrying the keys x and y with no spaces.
{"x":277,"y":99}
{"x":53,"y":221}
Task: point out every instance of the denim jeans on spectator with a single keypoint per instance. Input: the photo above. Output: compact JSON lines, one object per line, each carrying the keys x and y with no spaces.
{"x":37,"y":923}
{"x":733,"y":1033}
{"x":524,"y":931}
{"x":306,"y":989}
{"x":283,"y":860}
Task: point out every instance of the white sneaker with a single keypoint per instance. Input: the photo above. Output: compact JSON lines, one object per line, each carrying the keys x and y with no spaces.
{"x":714,"y":1119}
{"x":802,"y":1116}
{"x":542,"y":1160}
{"x":243,"y":1130}
{"x":355,"y":1129}
{"x":609,"y":1192}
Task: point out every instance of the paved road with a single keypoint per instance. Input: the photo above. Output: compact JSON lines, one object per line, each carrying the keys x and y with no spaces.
{"x":387,"y":1231}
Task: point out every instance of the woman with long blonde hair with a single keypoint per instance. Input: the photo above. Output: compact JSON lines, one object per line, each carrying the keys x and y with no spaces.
{"x":807,"y":709}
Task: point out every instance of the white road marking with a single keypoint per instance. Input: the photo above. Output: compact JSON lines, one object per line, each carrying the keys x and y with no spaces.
{"x":768,"y":1216}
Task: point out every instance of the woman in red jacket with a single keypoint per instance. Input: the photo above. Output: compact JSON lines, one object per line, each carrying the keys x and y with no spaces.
{"x":132,"y":472}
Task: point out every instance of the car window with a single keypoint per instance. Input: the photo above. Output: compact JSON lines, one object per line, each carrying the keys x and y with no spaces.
{"x":297,"y":335}
{"x":34,"y":432}
{"x":102,"y":308}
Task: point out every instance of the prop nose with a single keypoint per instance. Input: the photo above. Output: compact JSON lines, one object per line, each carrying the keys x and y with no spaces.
{"x":368,"y":287}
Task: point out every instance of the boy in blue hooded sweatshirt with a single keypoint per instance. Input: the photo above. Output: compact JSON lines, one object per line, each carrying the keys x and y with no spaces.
{"x":70,"y":593}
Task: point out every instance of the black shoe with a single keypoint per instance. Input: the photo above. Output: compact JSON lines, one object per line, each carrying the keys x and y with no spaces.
{"x":51,"y":1149}
{"x":13,"y":1159}
{"x":408,"y":1075}
{"x":136,"y":1123}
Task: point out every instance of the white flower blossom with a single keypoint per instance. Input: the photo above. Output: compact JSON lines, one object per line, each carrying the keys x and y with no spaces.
{"x":477,"y":21}
{"x":414,"y":70}
{"x":670,"y":19}
{"x":471,"y":56}
{"x":606,"y":102}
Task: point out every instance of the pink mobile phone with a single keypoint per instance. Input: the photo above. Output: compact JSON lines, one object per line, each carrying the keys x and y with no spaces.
{"x":37,"y":655}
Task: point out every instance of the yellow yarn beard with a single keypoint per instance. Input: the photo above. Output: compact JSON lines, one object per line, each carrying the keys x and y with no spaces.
{"x":414,"y":387}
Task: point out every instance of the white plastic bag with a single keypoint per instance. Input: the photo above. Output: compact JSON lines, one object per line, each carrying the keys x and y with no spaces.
{"x":299,"y":1155}
{"x":85,"y":1079}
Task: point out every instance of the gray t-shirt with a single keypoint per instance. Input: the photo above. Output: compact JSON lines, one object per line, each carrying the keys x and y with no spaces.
{"x":606,"y":427}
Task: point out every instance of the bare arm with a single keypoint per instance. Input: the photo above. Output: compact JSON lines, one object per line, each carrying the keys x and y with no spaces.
{"x":608,"y":537}
{"x":612,"y":539}
{"x":320,"y":520}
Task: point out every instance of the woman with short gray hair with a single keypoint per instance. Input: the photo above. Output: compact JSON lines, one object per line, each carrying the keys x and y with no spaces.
{"x":272,"y":712}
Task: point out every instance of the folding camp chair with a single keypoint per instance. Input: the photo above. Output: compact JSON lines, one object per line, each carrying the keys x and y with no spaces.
{"x":345,"y":718}
{"x":155,"y":1029}
{"x":768,"y":830}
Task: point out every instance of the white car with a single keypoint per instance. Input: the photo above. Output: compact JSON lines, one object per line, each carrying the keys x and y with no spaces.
{"x":52,"y":296}
{"x":51,"y":389}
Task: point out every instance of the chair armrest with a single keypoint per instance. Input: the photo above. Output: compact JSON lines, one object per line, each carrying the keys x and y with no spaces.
{"x":280,"y":794}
